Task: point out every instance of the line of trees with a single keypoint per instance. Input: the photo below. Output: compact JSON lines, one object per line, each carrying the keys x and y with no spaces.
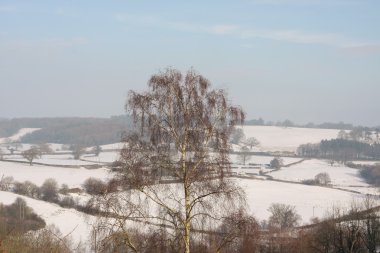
{"x":340,"y":150}
{"x":289,"y":123}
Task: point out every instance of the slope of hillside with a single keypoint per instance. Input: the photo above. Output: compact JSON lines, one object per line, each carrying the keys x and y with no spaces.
{"x":73,"y":177}
{"x":70,"y":222}
{"x":274,"y":138}
{"x":17,"y":136}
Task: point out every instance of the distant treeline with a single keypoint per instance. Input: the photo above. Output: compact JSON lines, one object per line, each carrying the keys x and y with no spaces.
{"x":81,"y":131}
{"x":288,"y":123}
{"x":97,"y":131}
{"x":340,"y":150}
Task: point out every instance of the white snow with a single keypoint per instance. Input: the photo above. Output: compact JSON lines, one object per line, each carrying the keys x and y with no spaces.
{"x":104,"y":157}
{"x":64,"y":159}
{"x":110,"y":147}
{"x":340,"y":175}
{"x":274,"y":138}
{"x":310,"y":201}
{"x":255,"y":159}
{"x":73,"y":177}
{"x":307,"y":199}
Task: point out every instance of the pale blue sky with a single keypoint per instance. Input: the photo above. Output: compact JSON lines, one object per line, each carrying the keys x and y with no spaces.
{"x":303,"y":60}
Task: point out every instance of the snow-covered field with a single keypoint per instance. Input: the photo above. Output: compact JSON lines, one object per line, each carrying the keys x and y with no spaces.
{"x":104,"y":157}
{"x":108,"y":147}
{"x":64,"y":159}
{"x":68,"y":221}
{"x":340,"y":175}
{"x":274,"y":138}
{"x":255,"y":159}
{"x":309,"y":200}
{"x":73,"y":177}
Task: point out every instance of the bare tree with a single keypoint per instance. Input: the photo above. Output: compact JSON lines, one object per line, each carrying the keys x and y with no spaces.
{"x":1,"y":154}
{"x":283,"y":216}
{"x":252,"y":142}
{"x":94,"y":186}
{"x":31,"y":154}
{"x":276,"y":163}
{"x":244,"y":155}
{"x":322,"y":178}
{"x":237,"y":135}
{"x":175,"y":120}
{"x":45,"y":148}
{"x":238,"y":233}
{"x":77,"y":151}
{"x":343,"y":135}
{"x":49,"y":190}
{"x":6,"y":183}
{"x":96,"y":150}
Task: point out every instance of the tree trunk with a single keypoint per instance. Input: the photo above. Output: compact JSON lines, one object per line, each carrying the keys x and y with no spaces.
{"x":187,"y":221}
{"x":187,"y":199}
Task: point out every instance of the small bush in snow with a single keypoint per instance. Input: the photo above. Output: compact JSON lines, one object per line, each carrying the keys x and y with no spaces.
{"x":94,"y":186}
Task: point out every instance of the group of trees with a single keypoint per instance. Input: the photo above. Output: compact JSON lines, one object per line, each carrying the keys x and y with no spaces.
{"x":80,"y":131}
{"x":288,"y":123}
{"x":36,"y":151}
{"x":237,"y":137}
{"x":363,"y":134}
{"x":48,"y":190}
{"x":356,"y":230}
{"x":17,"y":221}
{"x":18,"y":218}
{"x":340,"y":150}
{"x":371,"y":173}
{"x":322,"y":178}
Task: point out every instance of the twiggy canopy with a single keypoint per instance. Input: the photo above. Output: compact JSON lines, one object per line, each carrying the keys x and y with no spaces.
{"x":183,"y":111}
{"x":182,"y":130}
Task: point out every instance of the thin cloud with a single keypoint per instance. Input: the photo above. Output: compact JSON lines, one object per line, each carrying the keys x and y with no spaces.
{"x":184,"y":27}
{"x":289,"y":36}
{"x":300,"y":37}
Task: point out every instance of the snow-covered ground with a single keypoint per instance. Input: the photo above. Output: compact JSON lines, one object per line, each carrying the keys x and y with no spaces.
{"x":274,"y":138}
{"x":64,"y":159}
{"x":112,"y":146}
{"x":104,"y":157}
{"x":340,"y":175}
{"x":255,"y":159}
{"x":18,"y":135}
{"x":309,"y":200}
{"x":73,"y":177}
